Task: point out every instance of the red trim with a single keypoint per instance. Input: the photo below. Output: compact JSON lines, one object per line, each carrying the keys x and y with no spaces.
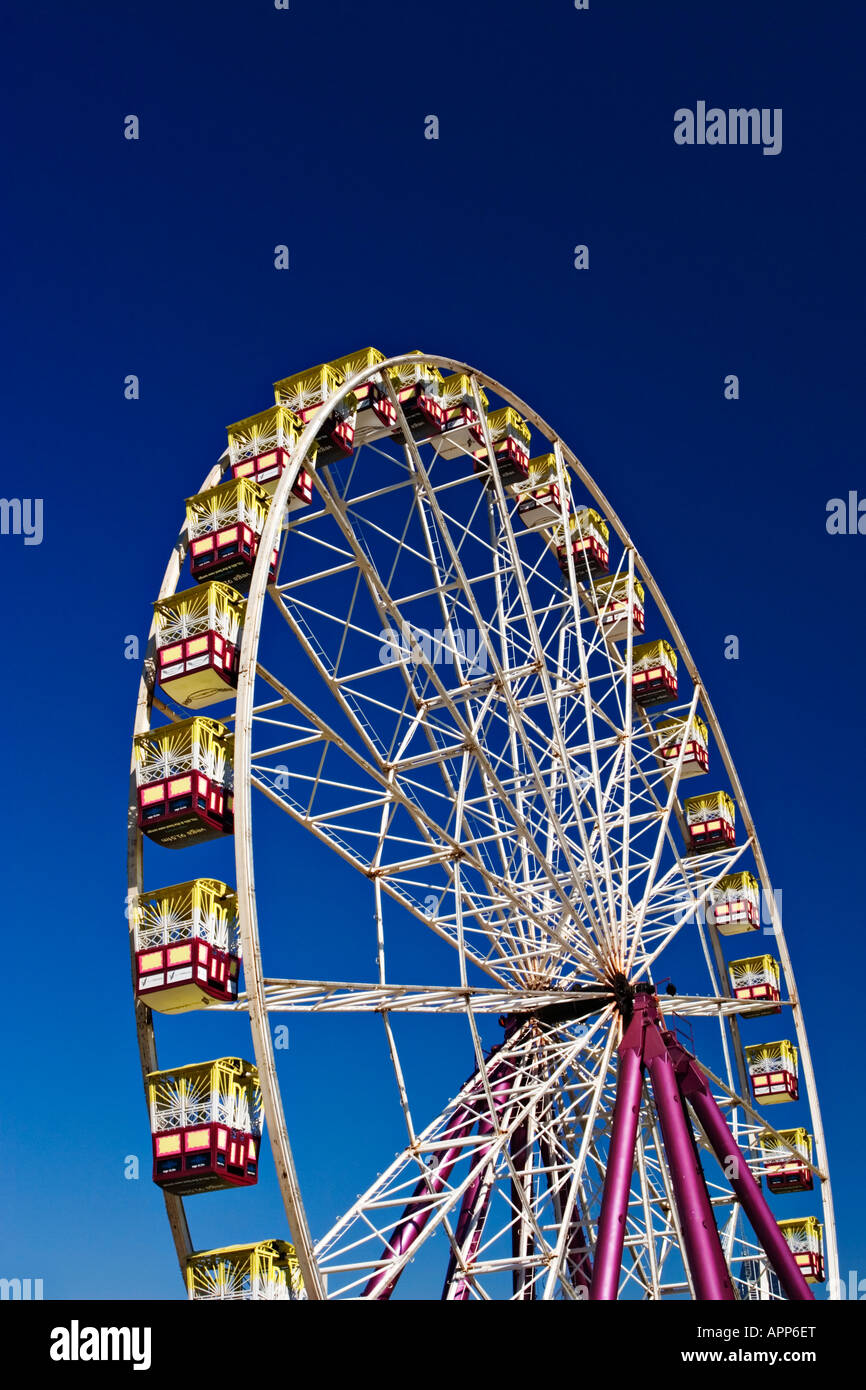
{"x":787,"y":1086}
{"x":206,"y":561}
{"x":269,"y":466}
{"x":595,"y":556}
{"x":221,"y":983}
{"x":221,"y":658}
{"x":186,"y":820}
{"x":789,"y":1177}
{"x":655,"y":686}
{"x":811,"y":1266}
{"x":702,"y":839}
{"x":199,"y":1169}
{"x":695,"y":752}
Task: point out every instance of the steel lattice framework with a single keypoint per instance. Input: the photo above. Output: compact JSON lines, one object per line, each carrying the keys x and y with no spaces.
{"x":424,"y":692}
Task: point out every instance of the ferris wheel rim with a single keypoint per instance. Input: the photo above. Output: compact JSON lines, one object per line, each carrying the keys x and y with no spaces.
{"x":243,"y":809}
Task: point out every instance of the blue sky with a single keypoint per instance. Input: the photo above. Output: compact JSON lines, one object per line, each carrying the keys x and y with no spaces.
{"x":156,"y":257}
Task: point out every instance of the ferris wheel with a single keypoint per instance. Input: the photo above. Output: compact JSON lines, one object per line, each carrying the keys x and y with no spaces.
{"x":417,"y":647}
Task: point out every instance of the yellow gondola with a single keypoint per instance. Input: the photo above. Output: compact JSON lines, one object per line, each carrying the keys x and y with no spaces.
{"x":187,"y":952}
{"x":773,"y":1071}
{"x":265,"y":1271}
{"x":205,"y":1119}
{"x":184,"y":779}
{"x":198,"y":634}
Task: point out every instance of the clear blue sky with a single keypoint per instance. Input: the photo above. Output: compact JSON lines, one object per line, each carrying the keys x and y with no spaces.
{"x":155,"y":257}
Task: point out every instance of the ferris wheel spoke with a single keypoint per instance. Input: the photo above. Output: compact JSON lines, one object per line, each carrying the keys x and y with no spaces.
{"x":445,"y":692}
{"x":441,"y":846}
{"x":451,"y":549}
{"x":369,"y":1227}
{"x":387,"y":609}
{"x":331,"y":996}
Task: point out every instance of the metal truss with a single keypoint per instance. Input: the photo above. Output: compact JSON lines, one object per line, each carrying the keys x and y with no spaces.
{"x":430,"y":696}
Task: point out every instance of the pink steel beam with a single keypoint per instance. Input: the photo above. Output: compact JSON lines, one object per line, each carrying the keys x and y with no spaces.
{"x":620,"y":1161}
{"x":696,"y":1089}
{"x":476,"y":1199}
{"x":420,"y":1207}
{"x":703,"y":1249}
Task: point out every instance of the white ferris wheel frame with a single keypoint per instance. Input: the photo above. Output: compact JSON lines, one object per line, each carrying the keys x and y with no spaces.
{"x":468,"y":1000}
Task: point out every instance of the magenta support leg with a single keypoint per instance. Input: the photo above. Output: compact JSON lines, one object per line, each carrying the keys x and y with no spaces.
{"x":620,"y":1162}
{"x":752,"y":1198}
{"x":476,"y":1198}
{"x":712,"y":1282}
{"x":420,"y":1207}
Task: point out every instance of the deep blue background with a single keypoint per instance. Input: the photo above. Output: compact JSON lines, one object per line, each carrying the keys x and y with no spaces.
{"x":155,"y":257}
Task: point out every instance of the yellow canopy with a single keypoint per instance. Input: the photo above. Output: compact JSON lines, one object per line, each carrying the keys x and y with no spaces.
{"x":416,"y":370}
{"x":356,"y":362}
{"x":457,"y":390}
{"x":672,"y":729}
{"x":500,"y":422}
{"x":775,"y":1145}
{"x":754,"y":970}
{"x":275,"y":428}
{"x":732,"y":887}
{"x":198,"y":744}
{"x":213,"y":607}
{"x":266,"y":1270}
{"x":803,"y":1233}
{"x":201,"y":908}
{"x":310,"y":387}
{"x":585,"y":521}
{"x":615,"y":587}
{"x":701,"y":808}
{"x":238,"y":500}
{"x":647,"y":654}
{"x":771,"y":1056}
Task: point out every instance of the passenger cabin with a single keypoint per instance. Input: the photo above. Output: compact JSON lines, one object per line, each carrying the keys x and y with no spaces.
{"x":709,"y":822}
{"x":805,"y":1236}
{"x":654,"y":673}
{"x":615,"y":599}
{"x":772,"y":1068}
{"x":305,"y":393}
{"x":266,"y":1271}
{"x":462,"y":430}
{"x":183,"y":777}
{"x":376,"y":415}
{"x":510,"y":438}
{"x":205,"y":1120}
{"x":260,"y":448}
{"x":756,"y":977}
{"x":416,"y":384}
{"x":540,"y":502}
{"x":675,"y":731}
{"x":788,"y":1155}
{"x":224,"y":526}
{"x":197,"y":635}
{"x":734,"y":904}
{"x":187,"y":951}
{"x":586,"y":538}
